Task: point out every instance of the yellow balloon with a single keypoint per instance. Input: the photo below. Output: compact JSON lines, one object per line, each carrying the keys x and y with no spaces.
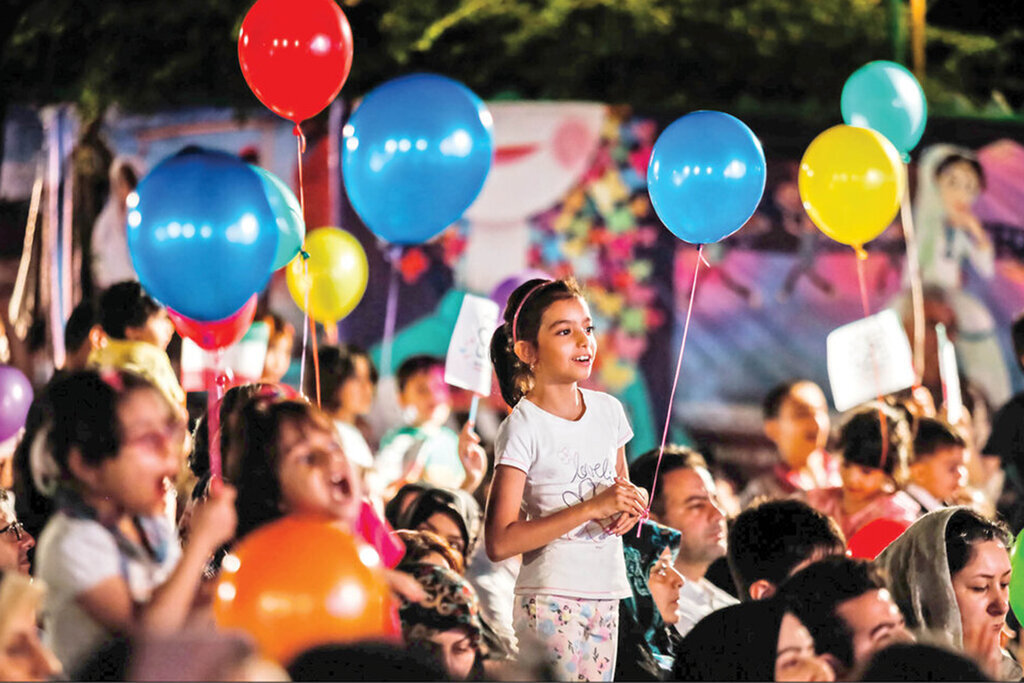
{"x":851,"y":182}
{"x":334,"y":276}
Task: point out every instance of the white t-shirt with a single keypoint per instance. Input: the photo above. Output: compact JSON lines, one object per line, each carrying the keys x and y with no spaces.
{"x":354,"y":444}
{"x":567,"y":463}
{"x":75,"y":555}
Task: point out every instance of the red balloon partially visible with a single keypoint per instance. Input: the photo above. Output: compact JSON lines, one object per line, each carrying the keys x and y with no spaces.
{"x":218,"y":333}
{"x":295,"y":54}
{"x":870,"y":540}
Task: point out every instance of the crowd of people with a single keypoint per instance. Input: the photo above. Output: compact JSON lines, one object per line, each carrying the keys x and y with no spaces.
{"x":538,"y":552}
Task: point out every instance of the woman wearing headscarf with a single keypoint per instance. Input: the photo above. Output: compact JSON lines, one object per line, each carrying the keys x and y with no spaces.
{"x":446,"y":623}
{"x":751,"y":641}
{"x":452,"y":514}
{"x":949,"y":573}
{"x":647,"y":641}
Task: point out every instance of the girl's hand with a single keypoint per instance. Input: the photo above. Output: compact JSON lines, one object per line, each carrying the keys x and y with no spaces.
{"x":622,"y":496}
{"x":473,"y":458}
{"x":214,"y":520}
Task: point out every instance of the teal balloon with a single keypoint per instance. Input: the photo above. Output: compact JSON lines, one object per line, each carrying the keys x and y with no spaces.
{"x":287,"y":214}
{"x":1017,"y":577}
{"x":885,"y":96}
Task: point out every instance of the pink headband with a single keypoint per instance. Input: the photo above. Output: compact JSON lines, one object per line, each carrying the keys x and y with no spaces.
{"x":519,"y":308}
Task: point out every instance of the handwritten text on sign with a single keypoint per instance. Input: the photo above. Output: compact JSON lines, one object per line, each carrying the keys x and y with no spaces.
{"x":468,"y":364}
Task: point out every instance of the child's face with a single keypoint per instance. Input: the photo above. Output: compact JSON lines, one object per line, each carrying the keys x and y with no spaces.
{"x":158,"y":330}
{"x":802,"y":424}
{"x":428,"y":397}
{"x":278,"y":359}
{"x":862,"y":483}
{"x":566,"y":346}
{"x":941,"y":473}
{"x":356,"y":394}
{"x":959,"y":187}
{"x":152,"y":446}
{"x":314,"y":474}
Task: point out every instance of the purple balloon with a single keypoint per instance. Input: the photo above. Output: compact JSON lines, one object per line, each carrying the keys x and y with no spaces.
{"x":503,"y":291}
{"x":15,"y":398}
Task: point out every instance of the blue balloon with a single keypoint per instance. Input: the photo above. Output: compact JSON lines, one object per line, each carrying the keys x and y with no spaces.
{"x":202,"y":234}
{"x":415,"y":156}
{"x":706,"y":176}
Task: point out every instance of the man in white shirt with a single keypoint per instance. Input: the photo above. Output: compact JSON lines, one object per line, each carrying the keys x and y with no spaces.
{"x":685,"y":499}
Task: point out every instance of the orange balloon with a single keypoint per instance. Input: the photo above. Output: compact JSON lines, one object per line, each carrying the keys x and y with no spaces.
{"x":302,"y":582}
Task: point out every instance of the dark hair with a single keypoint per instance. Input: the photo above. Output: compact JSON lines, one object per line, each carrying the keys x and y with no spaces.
{"x":124,"y":170}
{"x":84,"y":415}
{"x":933,"y":435}
{"x":965,"y":528}
{"x":641,"y":471}
{"x":419,"y":544}
{"x":459,"y":505}
{"x":514,"y":376}
{"x":815,"y":593}
{"x":33,"y":508}
{"x":255,"y":474}
{"x":365,"y":661}
{"x":956,"y":158}
{"x":777,"y":395}
{"x":1017,"y":330}
{"x":231,"y":406}
{"x":920,"y":662}
{"x":125,"y":305}
{"x":414,"y":365}
{"x":861,"y":439}
{"x":767,"y":541}
{"x":79,"y":324}
{"x":337,"y":366}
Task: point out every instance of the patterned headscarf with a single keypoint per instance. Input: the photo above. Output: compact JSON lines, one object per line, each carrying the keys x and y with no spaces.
{"x":641,"y":555}
{"x":451,"y":603}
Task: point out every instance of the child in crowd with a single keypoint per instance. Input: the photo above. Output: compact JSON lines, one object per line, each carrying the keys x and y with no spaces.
{"x":110,"y":555}
{"x":561,"y":493}
{"x":348,"y":379}
{"x":138,"y":332}
{"x":426,"y":449}
{"x":452,"y":514}
{"x":279,"y":348}
{"x":795,"y":420}
{"x":874,"y":465}
{"x":83,"y":334}
{"x":938,"y":469}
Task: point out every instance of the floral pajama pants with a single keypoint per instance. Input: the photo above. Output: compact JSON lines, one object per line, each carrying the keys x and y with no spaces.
{"x":580,"y":636}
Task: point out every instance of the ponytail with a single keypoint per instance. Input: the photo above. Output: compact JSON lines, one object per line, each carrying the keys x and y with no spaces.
{"x":523,"y":313}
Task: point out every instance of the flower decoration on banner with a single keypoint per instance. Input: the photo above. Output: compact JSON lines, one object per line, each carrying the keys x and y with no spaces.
{"x":602,"y":233}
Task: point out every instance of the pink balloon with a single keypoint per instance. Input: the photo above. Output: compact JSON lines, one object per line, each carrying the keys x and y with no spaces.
{"x":218,"y":333}
{"x":15,"y":398}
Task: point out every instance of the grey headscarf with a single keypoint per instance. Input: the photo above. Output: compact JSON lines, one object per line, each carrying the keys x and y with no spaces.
{"x":920,"y":584}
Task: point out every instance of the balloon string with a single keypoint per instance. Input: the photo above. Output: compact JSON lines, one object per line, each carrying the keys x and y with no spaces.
{"x":213,"y":399}
{"x":305,"y":317}
{"x":300,"y":142}
{"x":391,"y":312}
{"x":316,"y":353}
{"x":862,"y":256}
{"x":675,"y":382}
{"x":916,"y":288}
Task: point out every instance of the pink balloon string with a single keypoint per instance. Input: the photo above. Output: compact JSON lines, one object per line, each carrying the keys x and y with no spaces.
{"x":675,"y":383}
{"x":216,"y":384}
{"x":307,"y":322}
{"x":862,"y":257}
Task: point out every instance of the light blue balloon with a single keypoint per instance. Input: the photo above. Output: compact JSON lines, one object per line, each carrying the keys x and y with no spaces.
{"x":706,"y":176}
{"x":415,"y":156}
{"x":201,"y":233}
{"x":288,"y":214}
{"x":885,"y":96}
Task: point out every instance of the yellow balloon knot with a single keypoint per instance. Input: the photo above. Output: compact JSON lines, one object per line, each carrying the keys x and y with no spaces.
{"x":861,"y":254}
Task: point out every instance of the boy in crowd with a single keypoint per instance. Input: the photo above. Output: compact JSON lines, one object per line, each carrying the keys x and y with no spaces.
{"x":938,"y":469}
{"x":685,"y":499}
{"x":772,"y":540}
{"x":796,"y":420}
{"x":82,"y":335}
{"x":138,"y":332}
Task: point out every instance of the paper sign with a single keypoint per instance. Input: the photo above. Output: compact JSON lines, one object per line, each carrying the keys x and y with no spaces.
{"x":950,"y":375}
{"x":244,"y":359}
{"x":468,"y":365}
{"x":868,"y":358}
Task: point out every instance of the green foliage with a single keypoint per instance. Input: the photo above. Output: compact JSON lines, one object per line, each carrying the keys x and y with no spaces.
{"x":664,"y":54}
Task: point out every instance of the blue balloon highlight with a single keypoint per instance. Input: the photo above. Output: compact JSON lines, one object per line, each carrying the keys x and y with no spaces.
{"x":415,"y":155}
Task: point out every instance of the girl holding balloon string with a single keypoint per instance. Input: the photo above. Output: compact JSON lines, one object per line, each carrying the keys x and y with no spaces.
{"x":561,"y":495}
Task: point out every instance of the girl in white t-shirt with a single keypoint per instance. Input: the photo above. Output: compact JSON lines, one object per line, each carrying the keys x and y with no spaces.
{"x":561,"y":495}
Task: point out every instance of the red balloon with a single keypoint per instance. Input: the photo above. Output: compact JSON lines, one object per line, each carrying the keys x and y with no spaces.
{"x":295,"y":54}
{"x":870,"y":540}
{"x":218,"y":333}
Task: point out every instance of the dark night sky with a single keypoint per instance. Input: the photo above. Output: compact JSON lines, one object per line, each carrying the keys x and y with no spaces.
{"x":984,"y":16}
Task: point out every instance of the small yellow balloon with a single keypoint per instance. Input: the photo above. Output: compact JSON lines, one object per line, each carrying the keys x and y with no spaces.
{"x":851,"y":182}
{"x":334,"y":276}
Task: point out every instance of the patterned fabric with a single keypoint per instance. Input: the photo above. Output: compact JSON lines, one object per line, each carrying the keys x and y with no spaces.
{"x":451,"y":603}
{"x":580,"y":636}
{"x":455,"y":502}
{"x":641,"y":555}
